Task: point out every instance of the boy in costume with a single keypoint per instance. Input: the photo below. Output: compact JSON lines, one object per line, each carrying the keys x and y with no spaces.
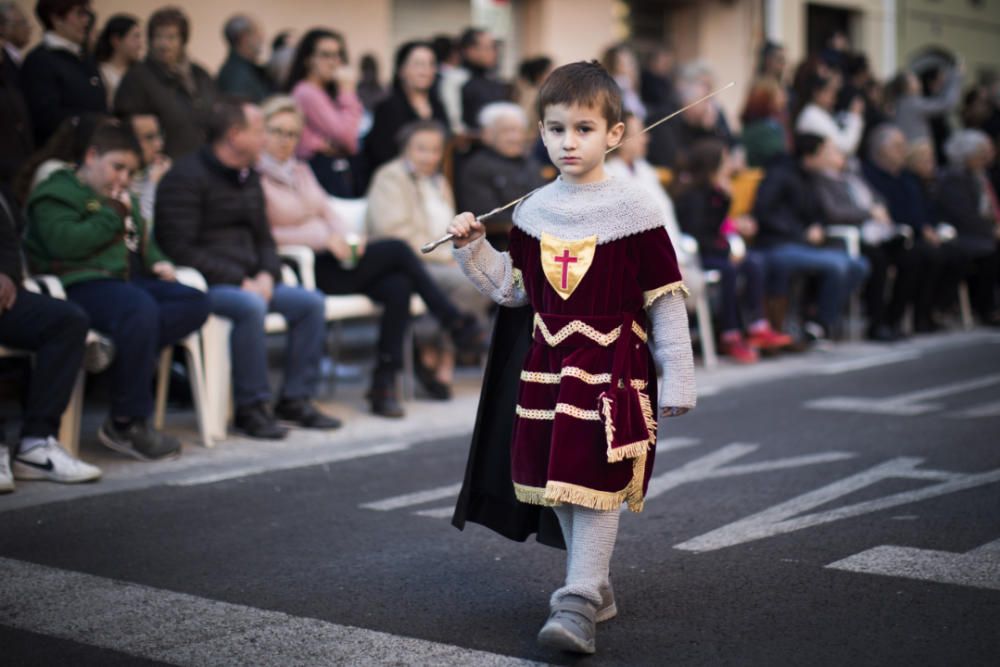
{"x":591,"y":257}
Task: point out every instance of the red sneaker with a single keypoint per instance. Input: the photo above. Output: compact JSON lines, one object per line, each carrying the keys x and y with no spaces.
{"x":739,"y":351}
{"x":769,"y":339}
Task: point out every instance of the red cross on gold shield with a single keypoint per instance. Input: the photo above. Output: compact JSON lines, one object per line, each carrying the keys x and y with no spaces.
{"x":565,"y":263}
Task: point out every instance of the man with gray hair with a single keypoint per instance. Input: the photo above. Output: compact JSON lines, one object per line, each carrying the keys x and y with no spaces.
{"x":500,"y":171}
{"x":240,"y":74}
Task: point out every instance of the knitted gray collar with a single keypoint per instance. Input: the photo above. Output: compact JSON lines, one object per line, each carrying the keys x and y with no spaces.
{"x":611,"y":209}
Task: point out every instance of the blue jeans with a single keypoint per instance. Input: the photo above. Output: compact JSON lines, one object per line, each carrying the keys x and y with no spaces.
{"x":839,"y":275}
{"x":753,"y":270}
{"x":302,"y":309}
{"x":141,"y":317}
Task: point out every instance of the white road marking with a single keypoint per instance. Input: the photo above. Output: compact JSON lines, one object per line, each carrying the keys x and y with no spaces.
{"x":790,"y":516}
{"x":979,"y":411}
{"x":670,"y":444}
{"x":417,"y":498}
{"x":711,"y":465}
{"x":979,"y":568}
{"x":183,"y":629}
{"x":328,"y":457}
{"x":902,"y":405}
{"x":438,"y":512}
{"x":863,"y":363}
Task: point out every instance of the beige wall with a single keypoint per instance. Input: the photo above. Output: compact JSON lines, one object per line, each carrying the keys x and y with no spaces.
{"x":566,"y":30}
{"x":973,"y":32}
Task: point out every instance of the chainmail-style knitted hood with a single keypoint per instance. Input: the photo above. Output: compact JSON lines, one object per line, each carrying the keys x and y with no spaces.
{"x":610,"y":209}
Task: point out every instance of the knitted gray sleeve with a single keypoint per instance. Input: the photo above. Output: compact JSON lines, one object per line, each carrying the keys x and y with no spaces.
{"x":672,"y":351}
{"x":492,"y":272}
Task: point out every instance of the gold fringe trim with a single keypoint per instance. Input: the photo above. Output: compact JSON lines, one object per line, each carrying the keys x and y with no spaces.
{"x":639,"y":331}
{"x":541,"y":415}
{"x":609,"y":427}
{"x":518,"y":278}
{"x":672,"y":288}
{"x":633,"y":449}
{"x":562,"y":408}
{"x":630,"y":451}
{"x":531,"y":495}
{"x":578,"y":373}
{"x":562,"y":492}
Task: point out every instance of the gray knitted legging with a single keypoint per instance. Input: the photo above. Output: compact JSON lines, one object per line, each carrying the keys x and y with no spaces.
{"x":590,"y":540}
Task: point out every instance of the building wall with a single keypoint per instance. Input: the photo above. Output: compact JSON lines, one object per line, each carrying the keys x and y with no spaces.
{"x":566,"y":30}
{"x":970,"y":30}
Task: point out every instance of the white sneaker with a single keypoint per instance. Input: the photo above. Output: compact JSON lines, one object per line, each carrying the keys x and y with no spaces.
{"x":53,"y":463}
{"x":6,"y":476}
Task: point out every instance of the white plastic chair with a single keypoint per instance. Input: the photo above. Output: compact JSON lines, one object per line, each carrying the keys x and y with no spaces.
{"x":851,"y":236}
{"x":702,"y":308}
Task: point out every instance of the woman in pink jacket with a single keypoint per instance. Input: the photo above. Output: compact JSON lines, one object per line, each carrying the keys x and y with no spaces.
{"x":325,"y":89}
{"x":386,"y":271}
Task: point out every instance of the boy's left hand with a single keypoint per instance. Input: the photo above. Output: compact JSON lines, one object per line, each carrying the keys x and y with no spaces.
{"x":675,"y":412}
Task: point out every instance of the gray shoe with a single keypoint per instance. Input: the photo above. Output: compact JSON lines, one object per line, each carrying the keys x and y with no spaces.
{"x":571,"y":626}
{"x":6,"y":475}
{"x":608,"y":608}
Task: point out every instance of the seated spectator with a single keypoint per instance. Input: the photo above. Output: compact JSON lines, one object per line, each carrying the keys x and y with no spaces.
{"x":765,"y":132}
{"x":629,"y":163}
{"x":670,"y":142}
{"x":410,"y":200}
{"x":15,"y":33}
{"x":530,"y":75}
{"x":169,"y":86}
{"x":908,"y":203}
{"x":912,"y":111}
{"x":85,"y":227}
{"x":119,"y":46}
{"x":61,"y":151}
{"x":815,"y":115}
{"x":387,"y":271}
{"x":792,"y":234}
{"x":621,"y":62}
{"x":59,"y":78}
{"x":370,"y":88}
{"x":240,"y":74}
{"x":412,"y":98}
{"x":499,"y":172}
{"x":703,"y":212}
{"x":16,"y":135}
{"x":324,"y":88}
{"x":210,"y":215}
{"x":479,"y":57}
{"x":155,"y":163}
{"x":55,"y":331}
{"x":966,"y":200}
{"x":847,"y":200}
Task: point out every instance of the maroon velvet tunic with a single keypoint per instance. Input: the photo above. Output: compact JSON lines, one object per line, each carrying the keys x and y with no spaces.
{"x":560,"y":450}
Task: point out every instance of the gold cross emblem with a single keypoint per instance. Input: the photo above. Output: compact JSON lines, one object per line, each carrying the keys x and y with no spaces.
{"x":565,"y":263}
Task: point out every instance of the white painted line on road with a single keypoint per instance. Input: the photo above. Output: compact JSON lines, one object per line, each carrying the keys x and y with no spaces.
{"x":902,"y":405}
{"x":791,"y":516}
{"x":979,"y":568}
{"x":979,"y":411}
{"x":438,"y":512}
{"x":711,"y":465}
{"x":182,"y":629}
{"x":417,"y":498}
{"x":670,"y":444}
{"x":864,"y":363}
{"x":319,"y":459}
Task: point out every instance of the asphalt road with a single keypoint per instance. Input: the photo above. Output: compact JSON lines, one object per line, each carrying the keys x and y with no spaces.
{"x":841,"y":518}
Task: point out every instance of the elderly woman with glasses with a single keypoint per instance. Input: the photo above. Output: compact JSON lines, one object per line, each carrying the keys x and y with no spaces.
{"x":386,"y":271}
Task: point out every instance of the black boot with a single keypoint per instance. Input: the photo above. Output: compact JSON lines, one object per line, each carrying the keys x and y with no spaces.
{"x":383,"y":397}
{"x":257,"y":421}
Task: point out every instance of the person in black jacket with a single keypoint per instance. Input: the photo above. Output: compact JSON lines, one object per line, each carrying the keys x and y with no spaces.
{"x":479,"y":57}
{"x":499,"y":172}
{"x":59,"y":78}
{"x":16,"y":136}
{"x":56,"y":332}
{"x":169,"y":86}
{"x":210,"y":215}
{"x":791,"y":233}
{"x":240,"y":74}
{"x":413,"y":98}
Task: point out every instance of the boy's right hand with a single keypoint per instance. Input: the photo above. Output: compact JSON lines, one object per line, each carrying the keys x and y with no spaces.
{"x":466,"y":229}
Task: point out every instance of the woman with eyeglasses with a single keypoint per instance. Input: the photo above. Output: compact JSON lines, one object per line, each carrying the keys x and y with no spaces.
{"x":386,"y":271}
{"x":325,"y":90}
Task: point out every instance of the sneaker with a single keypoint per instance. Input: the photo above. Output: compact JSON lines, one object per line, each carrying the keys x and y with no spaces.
{"x":608,"y":608}
{"x":303,"y":413}
{"x":767,"y":338}
{"x":53,"y":463}
{"x":6,"y":476}
{"x":571,"y":626}
{"x":256,"y":421}
{"x":138,"y":441}
{"x":737,"y":349}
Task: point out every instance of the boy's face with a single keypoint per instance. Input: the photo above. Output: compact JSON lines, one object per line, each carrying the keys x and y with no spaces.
{"x":109,"y":173}
{"x":576,"y":138}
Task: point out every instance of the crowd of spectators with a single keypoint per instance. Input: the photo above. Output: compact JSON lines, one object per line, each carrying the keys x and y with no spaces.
{"x":124,"y":158}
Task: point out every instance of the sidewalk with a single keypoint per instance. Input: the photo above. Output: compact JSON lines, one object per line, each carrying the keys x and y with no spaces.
{"x":426,"y":422}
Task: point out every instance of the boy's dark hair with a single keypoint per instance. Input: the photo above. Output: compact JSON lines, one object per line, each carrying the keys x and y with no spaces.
{"x":45,"y":10}
{"x":407,"y":131}
{"x":114,"y":136}
{"x":807,"y":145}
{"x":227,"y":113}
{"x":169,"y":16}
{"x":584,"y":84}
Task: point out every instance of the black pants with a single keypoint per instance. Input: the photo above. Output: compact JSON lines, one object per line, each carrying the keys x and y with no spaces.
{"x":388,"y":273}
{"x":942,"y":267}
{"x":907,"y":262}
{"x":56,"y":331}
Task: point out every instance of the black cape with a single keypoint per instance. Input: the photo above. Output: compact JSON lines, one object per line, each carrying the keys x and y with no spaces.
{"x":487,"y":496}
